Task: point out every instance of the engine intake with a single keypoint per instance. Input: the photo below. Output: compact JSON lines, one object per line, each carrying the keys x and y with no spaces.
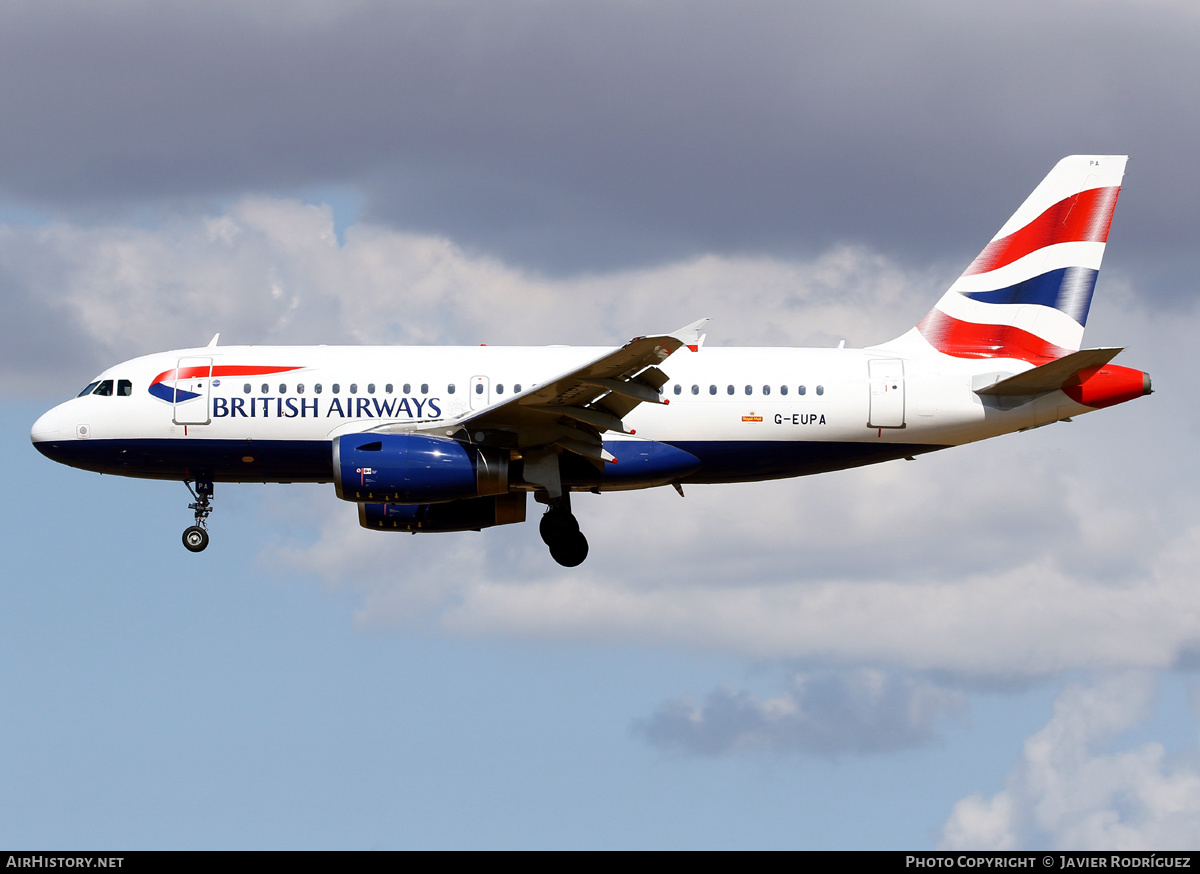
{"x":415,"y":469}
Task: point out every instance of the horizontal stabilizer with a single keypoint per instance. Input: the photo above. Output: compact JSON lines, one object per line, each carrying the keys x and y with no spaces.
{"x":1052,"y":376}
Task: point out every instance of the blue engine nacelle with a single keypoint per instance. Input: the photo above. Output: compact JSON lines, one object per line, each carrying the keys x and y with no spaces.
{"x":415,"y":469}
{"x":472,"y":514}
{"x":642,"y":463}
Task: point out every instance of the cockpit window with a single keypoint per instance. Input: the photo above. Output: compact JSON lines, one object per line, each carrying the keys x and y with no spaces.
{"x":104,"y":389}
{"x":87,"y":389}
{"x":124,"y":388}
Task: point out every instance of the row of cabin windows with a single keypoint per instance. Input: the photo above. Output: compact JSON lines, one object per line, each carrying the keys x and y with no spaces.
{"x":766,"y":390}
{"x":499,"y":389}
{"x":336,"y":388}
{"x":124,"y":388}
{"x":104,"y":388}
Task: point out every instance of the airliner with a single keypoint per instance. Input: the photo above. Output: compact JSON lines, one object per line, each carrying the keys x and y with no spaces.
{"x":445,"y":439}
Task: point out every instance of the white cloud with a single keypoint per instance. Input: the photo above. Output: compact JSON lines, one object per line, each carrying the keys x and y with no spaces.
{"x":825,"y":713}
{"x":851,"y":568}
{"x":1067,"y":794}
{"x":1069,"y":547}
{"x":273,"y":271}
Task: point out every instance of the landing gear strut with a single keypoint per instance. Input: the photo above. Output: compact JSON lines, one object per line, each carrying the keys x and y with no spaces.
{"x":195,"y":537}
{"x":560,"y":531}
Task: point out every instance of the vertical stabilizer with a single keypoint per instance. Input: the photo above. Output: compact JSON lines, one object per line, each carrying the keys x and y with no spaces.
{"x":1028,"y":292}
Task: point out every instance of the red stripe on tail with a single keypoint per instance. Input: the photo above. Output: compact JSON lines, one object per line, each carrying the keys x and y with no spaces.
{"x":970,"y":340}
{"x":1081,"y":218}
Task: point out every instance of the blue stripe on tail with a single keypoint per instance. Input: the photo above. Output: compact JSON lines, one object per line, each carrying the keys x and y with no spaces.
{"x":1068,"y":289}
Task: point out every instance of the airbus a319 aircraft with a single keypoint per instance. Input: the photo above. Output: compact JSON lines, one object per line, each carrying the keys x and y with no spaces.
{"x":429,"y":439}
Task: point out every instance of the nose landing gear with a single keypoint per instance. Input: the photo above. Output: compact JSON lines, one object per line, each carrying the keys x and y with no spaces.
{"x":195,"y":537}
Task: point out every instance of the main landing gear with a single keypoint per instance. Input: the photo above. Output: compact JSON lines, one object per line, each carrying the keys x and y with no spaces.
{"x":195,"y":537}
{"x":560,"y":531}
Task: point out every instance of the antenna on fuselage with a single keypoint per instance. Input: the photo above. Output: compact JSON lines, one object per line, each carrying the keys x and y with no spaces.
{"x":213,"y":341}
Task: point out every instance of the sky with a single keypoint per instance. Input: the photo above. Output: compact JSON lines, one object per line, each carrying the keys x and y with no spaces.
{"x":994,"y":646}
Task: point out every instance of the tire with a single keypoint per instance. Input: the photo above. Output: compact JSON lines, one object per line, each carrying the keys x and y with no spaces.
{"x":557,"y":525}
{"x":195,"y":539}
{"x":570,"y":550}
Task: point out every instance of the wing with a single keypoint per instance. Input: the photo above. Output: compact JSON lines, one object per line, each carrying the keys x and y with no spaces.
{"x":573,"y":409}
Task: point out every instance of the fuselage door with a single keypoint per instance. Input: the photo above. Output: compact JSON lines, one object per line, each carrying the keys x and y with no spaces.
{"x":887,"y":393}
{"x":481,"y":392}
{"x":193,"y":382}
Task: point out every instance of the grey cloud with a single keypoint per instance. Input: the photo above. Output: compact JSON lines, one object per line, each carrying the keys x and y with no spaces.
{"x":824,"y":713}
{"x":45,"y":347}
{"x":580,"y":135}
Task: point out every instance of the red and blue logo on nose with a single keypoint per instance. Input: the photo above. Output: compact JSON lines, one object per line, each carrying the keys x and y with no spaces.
{"x":165,"y":386}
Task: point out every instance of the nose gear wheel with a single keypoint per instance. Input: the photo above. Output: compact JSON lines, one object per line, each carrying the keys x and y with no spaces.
{"x":195,"y":537}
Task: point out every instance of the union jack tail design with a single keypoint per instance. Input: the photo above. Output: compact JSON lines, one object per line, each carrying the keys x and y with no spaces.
{"x":1028,"y":292}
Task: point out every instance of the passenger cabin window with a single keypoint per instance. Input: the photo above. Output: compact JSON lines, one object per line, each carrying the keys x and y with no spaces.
{"x":407,"y":388}
{"x":728,"y":389}
{"x":695,"y":389}
{"x":300,"y":388}
{"x":517,"y":388}
{"x":749,"y":390}
{"x":104,"y":389}
{"x":265,"y":388}
{"x":450,"y":389}
{"x":783,"y":389}
{"x":317,"y":388}
{"x":246,"y":388}
{"x":678,"y":389}
{"x":424,"y":388}
{"x":370,"y":388}
{"x":354,"y":388}
{"x":124,"y":388}
{"x":499,"y":388}
{"x":387,"y":389}
{"x":801,"y":390}
{"x":766,"y":389}
{"x":336,"y":388}
{"x":820,"y":389}
{"x":479,"y":388}
{"x":712,"y":389}
{"x":282,"y":389}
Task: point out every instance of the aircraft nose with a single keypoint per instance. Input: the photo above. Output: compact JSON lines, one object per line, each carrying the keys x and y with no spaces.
{"x":51,"y":425}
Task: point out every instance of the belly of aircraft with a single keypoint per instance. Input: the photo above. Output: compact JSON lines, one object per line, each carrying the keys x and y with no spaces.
{"x":746,"y":461}
{"x":311,"y":460}
{"x":218,"y":460}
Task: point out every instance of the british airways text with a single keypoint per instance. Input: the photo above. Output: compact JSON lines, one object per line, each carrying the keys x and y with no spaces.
{"x":346,"y":408}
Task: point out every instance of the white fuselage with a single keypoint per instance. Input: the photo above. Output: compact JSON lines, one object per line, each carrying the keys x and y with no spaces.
{"x":727,"y":406}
